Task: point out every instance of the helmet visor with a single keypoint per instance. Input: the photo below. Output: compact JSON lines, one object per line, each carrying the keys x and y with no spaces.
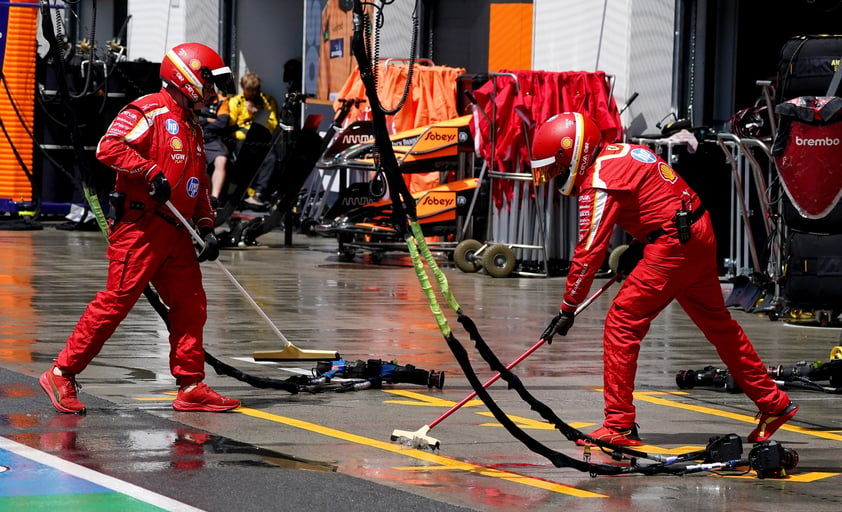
{"x":222,"y":79}
{"x":546,"y":169}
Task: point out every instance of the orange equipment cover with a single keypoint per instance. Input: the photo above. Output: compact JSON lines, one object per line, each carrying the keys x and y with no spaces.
{"x":18,"y":60}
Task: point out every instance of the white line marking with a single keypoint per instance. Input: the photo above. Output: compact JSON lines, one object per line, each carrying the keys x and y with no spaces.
{"x":90,"y":475}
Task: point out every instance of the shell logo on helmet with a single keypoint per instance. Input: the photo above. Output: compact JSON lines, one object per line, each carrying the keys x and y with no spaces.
{"x":189,"y":67}
{"x":564,"y":146}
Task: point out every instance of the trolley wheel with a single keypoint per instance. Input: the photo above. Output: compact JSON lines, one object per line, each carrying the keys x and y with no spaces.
{"x":464,"y":255}
{"x":499,"y":260}
{"x":308,"y":226}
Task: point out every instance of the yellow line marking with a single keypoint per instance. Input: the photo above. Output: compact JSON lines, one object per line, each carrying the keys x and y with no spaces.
{"x":419,"y":399}
{"x":648,"y":397}
{"x":529,"y":422}
{"x":444,"y":462}
{"x":798,"y":477}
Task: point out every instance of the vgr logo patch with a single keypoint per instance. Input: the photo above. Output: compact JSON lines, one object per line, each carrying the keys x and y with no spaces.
{"x":643,"y":155}
{"x":193,"y":187}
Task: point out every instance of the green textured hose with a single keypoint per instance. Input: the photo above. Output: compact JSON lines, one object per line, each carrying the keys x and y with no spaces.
{"x":426,"y":286}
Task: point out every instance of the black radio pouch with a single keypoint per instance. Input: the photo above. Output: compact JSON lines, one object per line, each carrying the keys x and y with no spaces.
{"x":117,"y":200}
{"x":683,"y":220}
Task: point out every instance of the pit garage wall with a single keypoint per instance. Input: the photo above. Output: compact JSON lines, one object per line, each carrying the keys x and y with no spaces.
{"x":268,"y":33}
{"x":629,"y":39}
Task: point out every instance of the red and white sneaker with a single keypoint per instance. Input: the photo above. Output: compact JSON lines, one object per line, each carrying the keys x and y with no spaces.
{"x":203,"y":398}
{"x":626,"y":436}
{"x":770,"y":423}
{"x":62,"y":391}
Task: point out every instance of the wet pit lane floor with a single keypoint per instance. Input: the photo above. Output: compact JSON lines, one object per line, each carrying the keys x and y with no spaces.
{"x":333,"y":451}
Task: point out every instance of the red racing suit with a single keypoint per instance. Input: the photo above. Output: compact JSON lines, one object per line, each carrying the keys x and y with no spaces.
{"x":147,"y":244}
{"x":631,"y":187}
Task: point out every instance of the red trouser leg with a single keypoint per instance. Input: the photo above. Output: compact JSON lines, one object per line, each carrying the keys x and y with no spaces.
{"x":179,"y":283}
{"x":666,"y":268}
{"x":643,"y":295}
{"x":689,"y":274}
{"x":132,"y":259}
{"x":703,"y":302}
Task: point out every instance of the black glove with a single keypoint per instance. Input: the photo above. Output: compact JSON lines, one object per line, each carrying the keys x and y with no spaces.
{"x":560,"y":324}
{"x":159,"y":188}
{"x":211,"y":249}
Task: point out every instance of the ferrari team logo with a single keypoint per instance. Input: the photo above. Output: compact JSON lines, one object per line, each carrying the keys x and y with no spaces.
{"x":667,"y":173}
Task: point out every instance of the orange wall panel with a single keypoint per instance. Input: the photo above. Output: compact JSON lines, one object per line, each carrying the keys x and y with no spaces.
{"x":510,"y":37}
{"x":19,"y":74}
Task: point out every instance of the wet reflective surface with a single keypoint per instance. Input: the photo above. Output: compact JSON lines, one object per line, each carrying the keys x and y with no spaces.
{"x":335,"y":447}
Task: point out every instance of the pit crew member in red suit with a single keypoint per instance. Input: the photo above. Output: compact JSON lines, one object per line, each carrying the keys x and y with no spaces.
{"x":631,"y":187}
{"x":155,"y":146}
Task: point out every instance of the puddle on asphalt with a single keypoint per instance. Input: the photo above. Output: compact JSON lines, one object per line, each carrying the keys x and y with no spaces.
{"x":116,"y":440}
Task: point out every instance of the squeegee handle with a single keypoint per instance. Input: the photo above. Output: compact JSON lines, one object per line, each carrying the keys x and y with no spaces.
{"x":230,"y":277}
{"x":523,"y":356}
{"x":489,"y":382}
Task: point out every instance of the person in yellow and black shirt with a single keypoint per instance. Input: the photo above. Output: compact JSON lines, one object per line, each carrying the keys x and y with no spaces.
{"x":243,"y":109}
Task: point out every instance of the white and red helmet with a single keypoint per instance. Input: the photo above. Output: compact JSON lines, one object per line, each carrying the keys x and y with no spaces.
{"x":565,"y":145}
{"x":191,"y":67}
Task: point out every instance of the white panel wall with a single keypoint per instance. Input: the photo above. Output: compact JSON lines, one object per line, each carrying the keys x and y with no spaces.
{"x":652,"y":37}
{"x":155,"y":26}
{"x":632,"y":40}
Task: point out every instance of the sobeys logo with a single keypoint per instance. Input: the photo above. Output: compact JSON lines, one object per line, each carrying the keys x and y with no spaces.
{"x":440,"y":137}
{"x":432,"y":200}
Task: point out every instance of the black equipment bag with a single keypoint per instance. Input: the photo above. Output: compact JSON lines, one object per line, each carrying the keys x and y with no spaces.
{"x":831,"y":224}
{"x":813,"y":274}
{"x":806,"y":65}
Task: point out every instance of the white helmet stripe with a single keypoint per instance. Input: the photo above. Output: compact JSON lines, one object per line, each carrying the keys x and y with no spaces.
{"x":186,"y":71}
{"x":542,"y":162}
{"x":577,"y":144}
{"x":567,"y":188}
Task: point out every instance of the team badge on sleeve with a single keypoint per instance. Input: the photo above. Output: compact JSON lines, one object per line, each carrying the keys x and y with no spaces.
{"x":643,"y":155}
{"x":193,"y":187}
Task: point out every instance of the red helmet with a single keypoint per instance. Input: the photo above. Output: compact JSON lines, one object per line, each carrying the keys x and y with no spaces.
{"x":192,"y":66}
{"x":564,"y":145}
